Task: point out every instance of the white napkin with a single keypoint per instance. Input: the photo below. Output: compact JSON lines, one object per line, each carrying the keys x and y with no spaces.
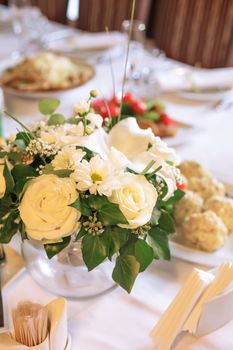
{"x":58,"y":334}
{"x":204,"y":304}
{"x":188,"y":79}
{"x":86,"y":42}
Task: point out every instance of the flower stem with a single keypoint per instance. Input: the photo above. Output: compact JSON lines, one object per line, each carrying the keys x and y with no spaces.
{"x":20,"y":123}
{"x":152,"y":162}
{"x":155,"y":171}
{"x":127,"y":57}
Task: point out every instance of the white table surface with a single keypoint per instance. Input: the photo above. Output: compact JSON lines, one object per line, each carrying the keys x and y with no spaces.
{"x":118,"y":321}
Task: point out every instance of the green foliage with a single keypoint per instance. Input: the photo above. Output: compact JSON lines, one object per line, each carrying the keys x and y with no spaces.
{"x":48,"y":169}
{"x":81,"y":206}
{"x":166,"y":222}
{"x":48,"y":106}
{"x":55,"y":248}
{"x":10,"y":183}
{"x":56,"y":119}
{"x":115,"y":238}
{"x":94,"y":250}
{"x":158,"y":240}
{"x":141,"y":251}
{"x":22,"y":139}
{"x":108,"y":213}
{"x":21,"y":171}
{"x":151,"y":115}
{"x":126,"y":271}
{"x":155,"y":216}
{"x":8,"y":226}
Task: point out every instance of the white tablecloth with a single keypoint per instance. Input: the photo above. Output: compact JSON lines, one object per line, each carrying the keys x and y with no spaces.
{"x":118,"y":321}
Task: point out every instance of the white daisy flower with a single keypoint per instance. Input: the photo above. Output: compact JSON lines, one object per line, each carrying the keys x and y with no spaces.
{"x":97,"y":176}
{"x":68,"y":158}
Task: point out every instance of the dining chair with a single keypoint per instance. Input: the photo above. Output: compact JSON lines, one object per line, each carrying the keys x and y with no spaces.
{"x":194,"y":31}
{"x":96,"y":15}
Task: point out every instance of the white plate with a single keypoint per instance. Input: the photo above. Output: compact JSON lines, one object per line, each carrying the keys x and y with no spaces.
{"x":183,"y":135}
{"x":200,"y":257}
{"x":182,"y":252}
{"x":204,"y":96}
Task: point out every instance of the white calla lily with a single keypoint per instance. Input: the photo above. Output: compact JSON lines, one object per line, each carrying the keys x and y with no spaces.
{"x":128,"y":138}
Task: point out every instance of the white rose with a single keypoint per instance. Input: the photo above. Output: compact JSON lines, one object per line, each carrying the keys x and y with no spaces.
{"x":136,"y":199}
{"x":2,"y":182}
{"x":82,"y":107}
{"x":161,"y":149}
{"x":45,"y":208}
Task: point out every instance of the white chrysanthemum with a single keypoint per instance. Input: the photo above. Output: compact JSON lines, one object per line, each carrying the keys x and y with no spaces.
{"x":68,"y":158}
{"x":98,"y":175}
{"x":82,"y":107}
{"x":53,"y":136}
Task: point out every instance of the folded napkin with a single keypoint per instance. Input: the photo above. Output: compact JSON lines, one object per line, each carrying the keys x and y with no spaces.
{"x":204,"y":304}
{"x":87,"y":42}
{"x":195,"y":80}
{"x":57,"y":338}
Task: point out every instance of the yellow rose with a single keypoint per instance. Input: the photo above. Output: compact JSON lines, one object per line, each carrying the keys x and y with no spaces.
{"x":2,"y":182}
{"x":45,"y":208}
{"x":136,"y":199}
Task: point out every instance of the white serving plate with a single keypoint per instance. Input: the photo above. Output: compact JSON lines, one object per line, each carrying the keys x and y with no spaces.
{"x":184,"y":135}
{"x":204,"y":96}
{"x":200,"y":257}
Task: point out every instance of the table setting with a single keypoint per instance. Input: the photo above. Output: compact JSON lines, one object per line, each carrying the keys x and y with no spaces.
{"x":116,"y":192}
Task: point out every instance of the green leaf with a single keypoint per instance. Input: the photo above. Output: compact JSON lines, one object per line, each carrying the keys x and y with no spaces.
{"x":56,"y":119}
{"x":55,"y":248}
{"x":178,"y":194}
{"x":22,"y":231}
{"x":81,"y":206}
{"x":10,"y":183}
{"x":158,"y":240}
{"x":151,"y":115}
{"x":155,"y":216}
{"x":21,"y":171}
{"x":22,"y":139}
{"x":110,"y":214}
{"x":9,"y":227}
{"x":142,"y":252}
{"x":126,"y":271}
{"x":94,"y":250}
{"x":166,"y":222}
{"x":48,"y":105}
{"x":20,"y":187}
{"x":82,"y":232}
{"x":48,"y":169}
{"x":97,"y":202}
{"x":116,"y":237}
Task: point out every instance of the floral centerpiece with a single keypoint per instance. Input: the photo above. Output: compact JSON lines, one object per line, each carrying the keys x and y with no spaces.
{"x":114,"y":190}
{"x":149,"y":113}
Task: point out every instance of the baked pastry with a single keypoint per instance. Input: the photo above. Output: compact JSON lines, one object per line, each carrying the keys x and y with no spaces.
{"x":223,"y":207}
{"x":189,"y":204}
{"x":206,"y":186}
{"x":191,"y":168}
{"x":46,"y":72}
{"x":204,"y":231}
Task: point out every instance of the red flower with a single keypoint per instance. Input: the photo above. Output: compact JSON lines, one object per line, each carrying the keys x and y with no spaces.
{"x":181,"y":186}
{"x":166,"y":119}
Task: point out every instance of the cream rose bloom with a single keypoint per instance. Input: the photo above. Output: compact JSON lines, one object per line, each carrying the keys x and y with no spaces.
{"x":2,"y":182}
{"x":45,"y":208}
{"x":136,"y":199}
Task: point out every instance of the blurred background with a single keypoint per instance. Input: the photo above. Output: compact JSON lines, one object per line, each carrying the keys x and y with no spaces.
{"x":197,"y":32}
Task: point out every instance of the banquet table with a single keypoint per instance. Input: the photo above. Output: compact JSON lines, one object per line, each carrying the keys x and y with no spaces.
{"x":118,"y":321}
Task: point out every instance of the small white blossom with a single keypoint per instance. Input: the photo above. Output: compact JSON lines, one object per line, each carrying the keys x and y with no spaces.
{"x":68,"y":158}
{"x":82,"y":107}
